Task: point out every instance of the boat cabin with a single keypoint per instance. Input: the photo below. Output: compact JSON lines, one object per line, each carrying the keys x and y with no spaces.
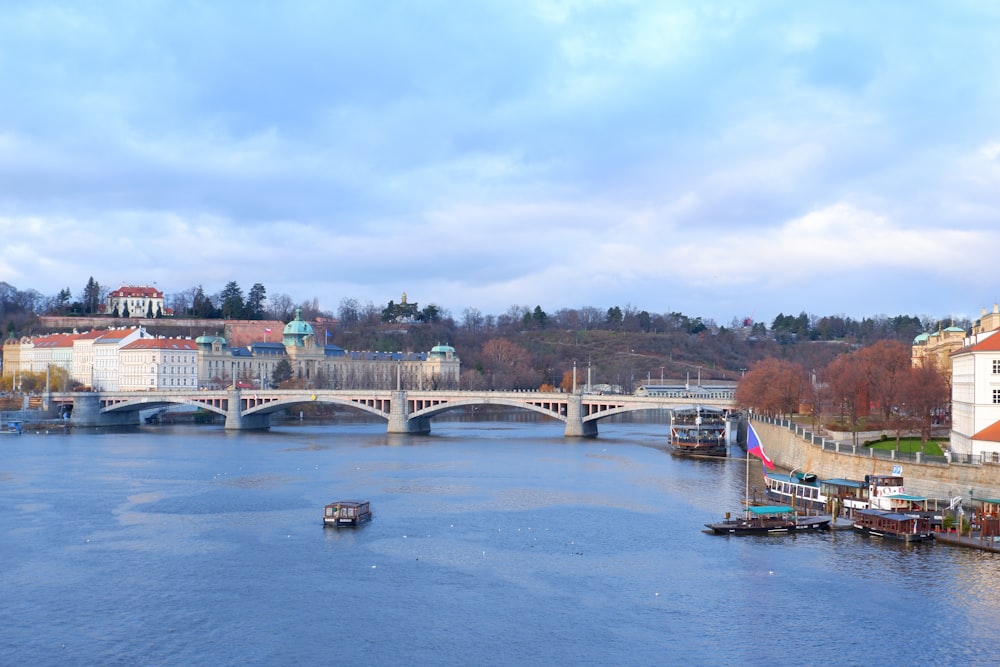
{"x":894,"y":525}
{"x":347,"y":513}
{"x":13,"y":427}
{"x":988,"y":517}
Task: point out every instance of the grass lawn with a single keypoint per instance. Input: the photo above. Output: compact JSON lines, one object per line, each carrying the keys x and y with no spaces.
{"x":933,"y":447}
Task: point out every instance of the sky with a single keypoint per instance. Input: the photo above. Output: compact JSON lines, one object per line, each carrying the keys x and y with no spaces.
{"x":718,"y":159}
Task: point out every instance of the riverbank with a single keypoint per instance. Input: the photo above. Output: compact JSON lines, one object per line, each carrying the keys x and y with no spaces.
{"x":931,"y":479}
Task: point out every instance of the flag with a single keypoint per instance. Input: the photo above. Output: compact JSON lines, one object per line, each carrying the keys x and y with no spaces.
{"x":755,"y":447}
{"x":267,"y":331}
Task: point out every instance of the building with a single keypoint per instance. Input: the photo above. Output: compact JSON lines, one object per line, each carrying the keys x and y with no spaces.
{"x":937,"y":347}
{"x":135,"y":301}
{"x":158,"y":364}
{"x":975,"y":391}
{"x":318,"y":364}
{"x":105,"y":371}
{"x":131,"y":359}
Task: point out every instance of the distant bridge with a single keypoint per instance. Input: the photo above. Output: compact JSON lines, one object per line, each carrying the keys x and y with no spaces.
{"x":404,"y":411}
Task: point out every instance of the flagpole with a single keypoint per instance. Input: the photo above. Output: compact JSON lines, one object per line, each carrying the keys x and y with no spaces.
{"x":746,"y":493}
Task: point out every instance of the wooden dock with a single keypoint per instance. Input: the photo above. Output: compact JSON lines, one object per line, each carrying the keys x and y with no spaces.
{"x":973,"y":541}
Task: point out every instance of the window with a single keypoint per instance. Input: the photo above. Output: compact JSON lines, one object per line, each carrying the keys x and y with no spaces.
{"x":996,"y":367}
{"x":996,"y":397}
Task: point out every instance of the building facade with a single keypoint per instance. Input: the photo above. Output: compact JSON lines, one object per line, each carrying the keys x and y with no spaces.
{"x":158,"y":364}
{"x":975,"y":391}
{"x":135,"y":301}
{"x":131,"y":359}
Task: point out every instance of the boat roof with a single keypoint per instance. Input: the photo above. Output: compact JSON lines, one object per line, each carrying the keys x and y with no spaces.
{"x":895,"y":516}
{"x":839,"y":481}
{"x":794,"y":479}
{"x":347,"y":503}
{"x":995,"y":501}
{"x":905,"y":496}
{"x":770,"y":509}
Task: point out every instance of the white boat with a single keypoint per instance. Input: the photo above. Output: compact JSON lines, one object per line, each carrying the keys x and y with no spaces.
{"x":878,"y":492}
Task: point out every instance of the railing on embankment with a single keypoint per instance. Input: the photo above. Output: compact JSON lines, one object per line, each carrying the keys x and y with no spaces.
{"x":795,"y":447}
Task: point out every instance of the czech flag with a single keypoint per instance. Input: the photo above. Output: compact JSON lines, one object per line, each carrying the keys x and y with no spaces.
{"x":755,"y":447}
{"x":267,"y":331}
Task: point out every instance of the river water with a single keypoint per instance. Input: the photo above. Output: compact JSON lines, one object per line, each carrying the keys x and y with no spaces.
{"x":493,"y":543}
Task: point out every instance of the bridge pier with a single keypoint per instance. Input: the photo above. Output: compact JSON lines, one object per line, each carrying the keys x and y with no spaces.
{"x":87,"y":413}
{"x":235,"y":421}
{"x":575,"y":426}
{"x":399,"y":418}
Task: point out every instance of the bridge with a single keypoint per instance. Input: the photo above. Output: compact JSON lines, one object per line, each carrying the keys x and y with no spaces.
{"x":404,"y":411}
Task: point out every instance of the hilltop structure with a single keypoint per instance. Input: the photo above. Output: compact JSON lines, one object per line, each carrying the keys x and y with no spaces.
{"x":135,"y":301}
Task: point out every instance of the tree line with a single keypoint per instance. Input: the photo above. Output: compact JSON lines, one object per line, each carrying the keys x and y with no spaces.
{"x":877,"y":384}
{"x":527,"y":347}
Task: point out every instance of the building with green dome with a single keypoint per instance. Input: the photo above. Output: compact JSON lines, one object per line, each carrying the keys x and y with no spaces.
{"x":319,"y":364}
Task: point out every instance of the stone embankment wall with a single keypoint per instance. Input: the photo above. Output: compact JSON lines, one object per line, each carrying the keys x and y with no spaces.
{"x":932,"y":480}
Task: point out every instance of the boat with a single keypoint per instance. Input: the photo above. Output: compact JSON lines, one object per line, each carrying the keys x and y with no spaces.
{"x":893,"y":525}
{"x":346,"y":513}
{"x":699,"y":431}
{"x":770,"y":519}
{"x":12,"y":427}
{"x":766,"y":519}
{"x":807,"y":490}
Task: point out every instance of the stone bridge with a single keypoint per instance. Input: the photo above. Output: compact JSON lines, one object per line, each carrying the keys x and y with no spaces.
{"x":404,"y":411}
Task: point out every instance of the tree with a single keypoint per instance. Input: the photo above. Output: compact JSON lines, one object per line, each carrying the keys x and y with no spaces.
{"x":848,"y":387}
{"x":231,"y":301}
{"x":91,"y":296}
{"x":925,"y":396}
{"x":430,"y":313}
{"x":253,"y":309}
{"x":282,"y":373}
{"x":773,"y":386}
{"x":280,"y":307}
{"x":886,"y":365}
{"x":614,"y":316}
{"x":201,"y":305}
{"x":349,"y":312}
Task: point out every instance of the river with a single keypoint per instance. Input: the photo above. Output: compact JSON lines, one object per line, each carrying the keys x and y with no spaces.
{"x":493,"y":543}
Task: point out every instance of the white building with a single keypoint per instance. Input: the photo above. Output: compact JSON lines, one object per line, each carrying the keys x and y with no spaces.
{"x":106,"y":356}
{"x":158,"y":364}
{"x":975,"y":396}
{"x":135,"y":301}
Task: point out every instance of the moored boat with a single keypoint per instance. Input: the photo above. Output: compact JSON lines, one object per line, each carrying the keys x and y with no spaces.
{"x":893,"y":525}
{"x":345,"y":513}
{"x":770,"y":520}
{"x":699,"y":431}
{"x":12,"y":427}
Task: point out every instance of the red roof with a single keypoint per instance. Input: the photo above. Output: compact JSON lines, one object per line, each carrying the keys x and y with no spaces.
{"x":989,"y":344}
{"x":134,"y":291}
{"x":991,"y":433}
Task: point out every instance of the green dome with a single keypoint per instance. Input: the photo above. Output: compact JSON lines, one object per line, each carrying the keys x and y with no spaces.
{"x":922,"y":338}
{"x":208,"y":341}
{"x":297,"y":330}
{"x":442,"y":351}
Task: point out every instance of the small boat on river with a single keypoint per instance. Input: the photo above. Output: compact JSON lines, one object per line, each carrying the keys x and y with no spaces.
{"x":12,"y":427}
{"x":347,"y":513}
{"x":893,"y":525}
{"x":770,"y":520}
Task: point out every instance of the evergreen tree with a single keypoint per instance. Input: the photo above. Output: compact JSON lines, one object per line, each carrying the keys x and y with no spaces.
{"x":282,"y":373}
{"x":253,"y":309}
{"x":231,"y":301}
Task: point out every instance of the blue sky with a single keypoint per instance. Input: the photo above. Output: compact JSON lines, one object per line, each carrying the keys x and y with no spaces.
{"x":719,"y":159}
